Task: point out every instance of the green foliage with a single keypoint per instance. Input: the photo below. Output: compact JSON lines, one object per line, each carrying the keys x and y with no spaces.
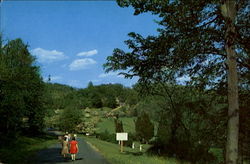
{"x":152,"y":105}
{"x":106,"y":136}
{"x":69,"y":119}
{"x":106,"y":96}
{"x":118,"y":125}
{"x":144,"y":127}
{"x":244,"y":131}
{"x":190,"y":42}
{"x":21,"y":91}
{"x":89,"y":121}
{"x":100,"y":96}
{"x":24,"y":149}
{"x":164,"y":129}
{"x":59,"y":95}
{"x":191,"y":123}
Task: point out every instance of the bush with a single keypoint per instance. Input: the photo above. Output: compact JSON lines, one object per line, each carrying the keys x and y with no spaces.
{"x":144,"y":128}
{"x":106,"y":136}
{"x":184,"y":150}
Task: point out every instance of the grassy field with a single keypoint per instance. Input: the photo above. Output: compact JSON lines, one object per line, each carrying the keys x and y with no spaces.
{"x":112,"y":153}
{"x":24,"y":149}
{"x":109,"y":125}
{"x":130,"y":156}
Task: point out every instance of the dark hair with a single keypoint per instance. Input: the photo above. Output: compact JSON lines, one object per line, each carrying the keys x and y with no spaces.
{"x":65,"y":138}
{"x":74,"y":138}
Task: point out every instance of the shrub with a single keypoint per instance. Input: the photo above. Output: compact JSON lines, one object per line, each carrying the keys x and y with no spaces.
{"x":106,"y":136}
{"x":144,"y":128}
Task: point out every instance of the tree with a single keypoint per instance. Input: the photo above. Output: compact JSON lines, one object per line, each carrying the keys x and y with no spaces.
{"x":118,"y":125}
{"x":190,"y":122}
{"x":22,"y":89}
{"x":69,"y":118}
{"x":90,"y":84}
{"x":144,"y":127}
{"x":244,"y":136}
{"x":194,"y":40}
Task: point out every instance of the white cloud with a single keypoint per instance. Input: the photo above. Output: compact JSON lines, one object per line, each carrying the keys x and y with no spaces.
{"x":55,"y":78}
{"x":47,"y":56}
{"x":79,"y":64}
{"x":104,"y":75}
{"x":88,"y":53}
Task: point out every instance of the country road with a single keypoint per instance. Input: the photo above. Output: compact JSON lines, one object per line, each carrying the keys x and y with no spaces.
{"x":86,"y":155}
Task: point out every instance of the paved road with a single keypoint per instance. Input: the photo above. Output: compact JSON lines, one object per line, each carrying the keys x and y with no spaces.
{"x":86,"y":155}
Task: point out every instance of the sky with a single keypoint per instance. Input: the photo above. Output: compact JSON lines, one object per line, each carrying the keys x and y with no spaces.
{"x":71,"y":40}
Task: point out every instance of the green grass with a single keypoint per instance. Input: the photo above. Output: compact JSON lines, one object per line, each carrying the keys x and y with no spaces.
{"x":112,"y":153}
{"x":109,"y":125}
{"x":24,"y":149}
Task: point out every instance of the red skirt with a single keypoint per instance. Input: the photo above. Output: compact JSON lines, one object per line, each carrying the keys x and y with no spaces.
{"x":73,"y":148}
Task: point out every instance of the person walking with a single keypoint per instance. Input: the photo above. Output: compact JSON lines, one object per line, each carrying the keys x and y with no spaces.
{"x":67,"y":136}
{"x":65,"y":149}
{"x":73,"y":148}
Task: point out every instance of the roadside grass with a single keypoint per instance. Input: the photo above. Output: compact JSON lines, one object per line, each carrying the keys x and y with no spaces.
{"x":130,"y":156}
{"x":24,"y":148}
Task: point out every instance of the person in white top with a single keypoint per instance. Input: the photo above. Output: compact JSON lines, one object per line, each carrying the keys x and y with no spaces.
{"x":67,"y":136}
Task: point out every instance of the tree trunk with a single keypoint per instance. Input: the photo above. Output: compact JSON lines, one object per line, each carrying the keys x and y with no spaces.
{"x":229,"y":12}
{"x":233,"y":110}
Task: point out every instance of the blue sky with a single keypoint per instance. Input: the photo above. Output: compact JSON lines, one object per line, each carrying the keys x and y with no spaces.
{"x":71,"y":40}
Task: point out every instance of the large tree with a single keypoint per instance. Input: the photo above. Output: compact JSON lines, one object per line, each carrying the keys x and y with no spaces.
{"x":21,"y":90}
{"x":204,"y":40}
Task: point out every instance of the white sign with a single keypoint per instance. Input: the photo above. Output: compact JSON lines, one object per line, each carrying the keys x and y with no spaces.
{"x":121,"y":136}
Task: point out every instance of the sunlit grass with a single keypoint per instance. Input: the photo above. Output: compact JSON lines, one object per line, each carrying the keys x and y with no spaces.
{"x":130,"y":156}
{"x":109,"y":125}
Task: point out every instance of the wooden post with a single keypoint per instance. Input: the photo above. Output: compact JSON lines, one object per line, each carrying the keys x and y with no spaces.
{"x":121,"y":146}
{"x":121,"y":137}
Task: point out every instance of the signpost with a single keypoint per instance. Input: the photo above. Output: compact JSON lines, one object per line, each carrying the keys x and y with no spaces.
{"x":121,"y":137}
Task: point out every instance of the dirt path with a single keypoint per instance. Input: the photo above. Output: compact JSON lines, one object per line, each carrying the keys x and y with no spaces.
{"x":86,"y":155}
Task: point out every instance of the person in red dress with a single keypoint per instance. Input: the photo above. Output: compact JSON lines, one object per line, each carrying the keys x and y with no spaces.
{"x":73,"y":148}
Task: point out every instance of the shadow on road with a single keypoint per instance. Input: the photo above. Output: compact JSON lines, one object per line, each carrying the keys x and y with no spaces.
{"x":86,"y":154}
{"x":53,"y":156}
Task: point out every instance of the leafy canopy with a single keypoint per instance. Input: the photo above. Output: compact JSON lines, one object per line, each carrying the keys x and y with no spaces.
{"x":191,"y":42}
